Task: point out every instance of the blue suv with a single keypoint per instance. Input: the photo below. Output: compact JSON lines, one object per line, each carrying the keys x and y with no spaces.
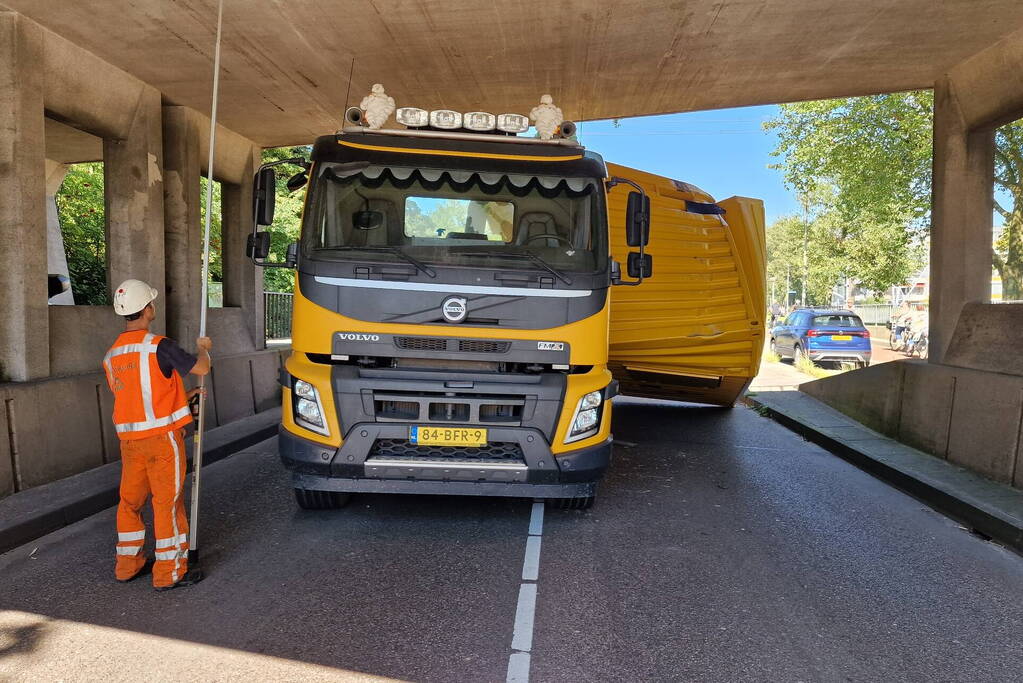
{"x":822,"y":334}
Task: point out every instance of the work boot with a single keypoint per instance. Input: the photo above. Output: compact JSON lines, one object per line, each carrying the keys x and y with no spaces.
{"x":146,"y":568}
{"x":193,"y":576}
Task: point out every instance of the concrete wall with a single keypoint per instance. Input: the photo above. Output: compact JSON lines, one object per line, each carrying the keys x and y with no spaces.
{"x":61,"y":426}
{"x":966,"y":416}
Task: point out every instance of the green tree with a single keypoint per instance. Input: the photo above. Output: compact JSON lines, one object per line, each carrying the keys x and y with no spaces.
{"x":875,"y":152}
{"x":82,"y":226}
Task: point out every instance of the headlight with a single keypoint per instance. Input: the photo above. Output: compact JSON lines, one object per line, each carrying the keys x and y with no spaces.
{"x":586,"y":421}
{"x":309,"y":411}
{"x":304,"y":389}
{"x":306,"y":407}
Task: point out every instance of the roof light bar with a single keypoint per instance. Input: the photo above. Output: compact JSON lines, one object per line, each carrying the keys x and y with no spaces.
{"x":512,"y":123}
{"x":412,"y":117}
{"x":479,"y":120}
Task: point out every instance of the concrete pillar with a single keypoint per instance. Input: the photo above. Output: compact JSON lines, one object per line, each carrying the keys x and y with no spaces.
{"x":243,"y":281}
{"x":182,"y":220}
{"x":56,"y":257}
{"x":133,"y":187}
{"x":24,"y":320}
{"x":962,"y":204}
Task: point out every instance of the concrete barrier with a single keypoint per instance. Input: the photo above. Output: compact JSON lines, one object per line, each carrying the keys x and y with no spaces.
{"x":54,"y":428}
{"x":970,"y":417}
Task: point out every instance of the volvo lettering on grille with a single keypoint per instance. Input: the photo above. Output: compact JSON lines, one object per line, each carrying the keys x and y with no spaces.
{"x":358,"y":336}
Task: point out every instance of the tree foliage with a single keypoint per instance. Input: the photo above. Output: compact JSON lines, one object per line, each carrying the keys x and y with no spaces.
{"x":82,"y":225}
{"x":870,"y":159}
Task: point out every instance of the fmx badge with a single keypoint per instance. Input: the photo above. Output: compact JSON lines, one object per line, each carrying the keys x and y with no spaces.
{"x":550,"y":346}
{"x":454,"y":309}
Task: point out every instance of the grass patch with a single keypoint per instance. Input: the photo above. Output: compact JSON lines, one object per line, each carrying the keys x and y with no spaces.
{"x":807,"y":366}
{"x":771,"y":357}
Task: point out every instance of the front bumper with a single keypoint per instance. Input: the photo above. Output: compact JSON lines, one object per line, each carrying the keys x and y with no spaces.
{"x":377,"y":458}
{"x":838,"y":355}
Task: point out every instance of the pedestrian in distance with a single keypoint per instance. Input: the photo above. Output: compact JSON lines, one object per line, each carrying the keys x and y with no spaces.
{"x":151,"y":409}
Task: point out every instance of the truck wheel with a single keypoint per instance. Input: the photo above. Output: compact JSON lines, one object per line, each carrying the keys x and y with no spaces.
{"x":571,"y":503}
{"x":320,"y":500}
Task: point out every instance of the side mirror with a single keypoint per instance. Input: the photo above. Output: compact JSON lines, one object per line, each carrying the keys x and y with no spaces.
{"x":297,"y":181}
{"x":637,"y":220}
{"x":291,"y":258}
{"x":640,"y":266}
{"x":264,"y":196}
{"x":258,"y":245}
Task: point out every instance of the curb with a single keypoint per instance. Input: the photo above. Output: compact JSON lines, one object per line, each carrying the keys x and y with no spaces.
{"x":947,"y":494}
{"x":40,"y":510}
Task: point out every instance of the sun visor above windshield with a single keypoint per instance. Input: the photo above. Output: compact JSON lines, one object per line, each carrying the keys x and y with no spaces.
{"x":492,"y":182}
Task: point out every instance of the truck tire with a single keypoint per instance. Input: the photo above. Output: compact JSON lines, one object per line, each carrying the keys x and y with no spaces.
{"x":571,"y":503}
{"x":320,"y":500}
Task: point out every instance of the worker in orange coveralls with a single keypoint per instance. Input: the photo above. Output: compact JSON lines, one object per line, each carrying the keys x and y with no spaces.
{"x":151,"y":410}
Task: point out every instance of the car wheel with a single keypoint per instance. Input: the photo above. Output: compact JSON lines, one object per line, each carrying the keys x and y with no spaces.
{"x":320,"y":500}
{"x":774,"y":346}
{"x":797,"y":353}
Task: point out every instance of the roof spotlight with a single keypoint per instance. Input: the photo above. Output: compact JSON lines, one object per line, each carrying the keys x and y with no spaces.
{"x":446,"y":119}
{"x":479,"y":120}
{"x":512,"y":123}
{"x":412,"y":117}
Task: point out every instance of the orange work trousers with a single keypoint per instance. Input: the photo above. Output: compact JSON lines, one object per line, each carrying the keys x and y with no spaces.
{"x":153,"y":465}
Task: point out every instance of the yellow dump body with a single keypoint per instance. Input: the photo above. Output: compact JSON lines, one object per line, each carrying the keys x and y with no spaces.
{"x":694,"y":331}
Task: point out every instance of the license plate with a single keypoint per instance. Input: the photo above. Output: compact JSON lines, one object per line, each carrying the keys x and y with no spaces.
{"x":447,"y":436}
{"x":841,"y":337}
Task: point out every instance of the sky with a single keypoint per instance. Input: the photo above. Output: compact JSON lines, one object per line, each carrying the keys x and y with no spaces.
{"x":725,"y":152}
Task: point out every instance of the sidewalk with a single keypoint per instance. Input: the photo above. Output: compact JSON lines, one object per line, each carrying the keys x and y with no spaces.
{"x":35,"y":512}
{"x":994,"y":510}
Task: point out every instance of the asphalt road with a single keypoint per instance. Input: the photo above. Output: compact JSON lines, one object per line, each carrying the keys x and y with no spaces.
{"x":722,"y":548}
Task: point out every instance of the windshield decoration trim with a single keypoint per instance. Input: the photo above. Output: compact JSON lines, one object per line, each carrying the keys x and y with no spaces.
{"x":453,"y":289}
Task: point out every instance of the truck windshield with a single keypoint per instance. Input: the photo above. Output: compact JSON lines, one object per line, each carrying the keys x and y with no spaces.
{"x":461,"y":218}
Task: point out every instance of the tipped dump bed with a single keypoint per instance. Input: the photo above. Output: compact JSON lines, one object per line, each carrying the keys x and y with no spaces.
{"x":694,"y":331}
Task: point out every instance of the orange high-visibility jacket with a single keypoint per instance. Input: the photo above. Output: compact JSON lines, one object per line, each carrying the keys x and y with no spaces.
{"x":145,"y":402}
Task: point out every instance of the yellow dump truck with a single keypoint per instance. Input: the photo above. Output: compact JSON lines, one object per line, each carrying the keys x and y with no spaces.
{"x":461,"y":314}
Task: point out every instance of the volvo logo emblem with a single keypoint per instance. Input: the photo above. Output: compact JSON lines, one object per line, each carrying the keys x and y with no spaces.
{"x":454,"y":309}
{"x":355,"y":336}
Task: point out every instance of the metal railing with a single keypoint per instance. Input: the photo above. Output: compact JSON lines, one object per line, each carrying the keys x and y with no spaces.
{"x":277,"y":314}
{"x":874,"y":314}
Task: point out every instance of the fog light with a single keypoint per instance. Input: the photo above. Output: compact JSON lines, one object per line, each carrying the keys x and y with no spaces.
{"x":412,"y":117}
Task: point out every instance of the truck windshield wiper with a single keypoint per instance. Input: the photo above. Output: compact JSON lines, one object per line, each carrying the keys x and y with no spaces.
{"x":527,"y":254}
{"x":397,"y":251}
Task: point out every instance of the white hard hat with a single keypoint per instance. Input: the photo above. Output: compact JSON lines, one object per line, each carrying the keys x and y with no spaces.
{"x":131,"y":296}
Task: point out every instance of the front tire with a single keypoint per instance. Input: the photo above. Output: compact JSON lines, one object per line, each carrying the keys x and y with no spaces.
{"x":774,"y":347}
{"x":321,"y":500}
{"x":797,"y":353}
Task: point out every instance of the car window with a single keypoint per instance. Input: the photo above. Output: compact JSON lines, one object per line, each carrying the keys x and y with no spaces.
{"x":789,"y":319}
{"x":837,"y":320}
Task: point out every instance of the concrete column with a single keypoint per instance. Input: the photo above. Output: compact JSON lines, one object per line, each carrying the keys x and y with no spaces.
{"x":56,"y":257}
{"x":24,"y":320}
{"x":133,"y":187}
{"x":182,"y":220}
{"x":243,"y":281}
{"x":962,"y":204}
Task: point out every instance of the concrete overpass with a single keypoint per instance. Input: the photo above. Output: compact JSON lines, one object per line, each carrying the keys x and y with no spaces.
{"x":130,"y":84}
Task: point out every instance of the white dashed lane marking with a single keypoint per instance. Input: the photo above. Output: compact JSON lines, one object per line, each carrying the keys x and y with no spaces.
{"x":525,"y":610}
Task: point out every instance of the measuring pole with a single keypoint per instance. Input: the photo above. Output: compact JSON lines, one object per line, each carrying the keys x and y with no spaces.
{"x":193,"y":523}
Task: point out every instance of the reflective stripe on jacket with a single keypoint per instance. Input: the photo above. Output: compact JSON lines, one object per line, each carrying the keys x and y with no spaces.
{"x":145,"y":402}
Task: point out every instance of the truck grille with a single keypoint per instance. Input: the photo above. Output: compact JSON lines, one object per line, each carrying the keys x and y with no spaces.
{"x":462,"y":345}
{"x":401,"y":449}
{"x":421,"y":344}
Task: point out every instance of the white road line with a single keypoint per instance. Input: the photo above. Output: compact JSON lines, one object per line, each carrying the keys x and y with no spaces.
{"x":525,"y":609}
{"x":531,"y":565}
{"x":522,"y":637}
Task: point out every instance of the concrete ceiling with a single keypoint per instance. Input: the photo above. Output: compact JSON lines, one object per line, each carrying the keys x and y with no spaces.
{"x":286,"y":62}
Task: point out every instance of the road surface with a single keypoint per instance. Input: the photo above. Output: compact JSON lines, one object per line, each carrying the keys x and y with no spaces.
{"x":722,"y":548}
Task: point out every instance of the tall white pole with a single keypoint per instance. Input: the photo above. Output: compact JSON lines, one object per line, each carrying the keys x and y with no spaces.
{"x":193,"y":541}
